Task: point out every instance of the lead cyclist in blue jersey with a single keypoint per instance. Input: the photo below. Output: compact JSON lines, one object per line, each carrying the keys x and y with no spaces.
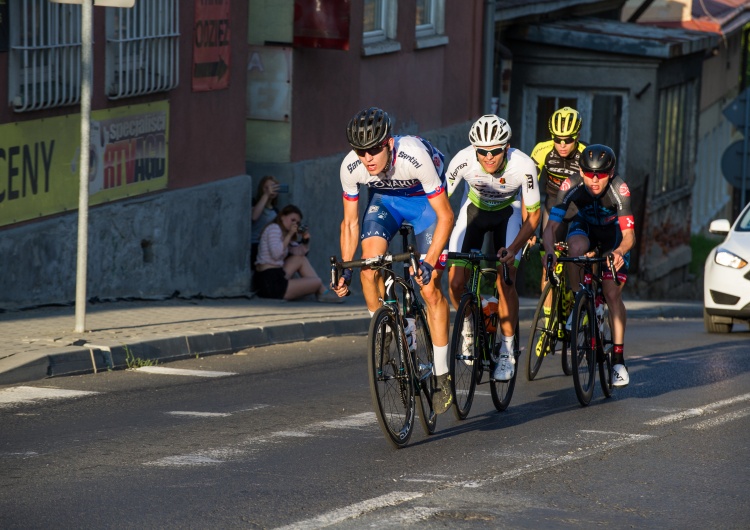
{"x":406,"y":178}
{"x":604,"y":217}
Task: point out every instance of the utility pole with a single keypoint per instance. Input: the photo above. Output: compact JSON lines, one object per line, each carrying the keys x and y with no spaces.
{"x":87,"y":25}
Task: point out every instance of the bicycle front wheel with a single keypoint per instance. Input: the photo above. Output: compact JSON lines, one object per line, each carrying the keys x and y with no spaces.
{"x":567,"y":298}
{"x":582,"y":347}
{"x":391,"y":383}
{"x":543,"y":336}
{"x":464,"y":356}
{"x":502,"y":391}
{"x":424,"y":366}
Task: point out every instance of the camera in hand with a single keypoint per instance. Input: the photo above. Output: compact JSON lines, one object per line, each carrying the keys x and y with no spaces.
{"x":301,"y":229}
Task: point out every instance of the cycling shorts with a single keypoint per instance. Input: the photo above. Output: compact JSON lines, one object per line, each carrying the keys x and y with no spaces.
{"x":473,"y":223}
{"x":386,"y":213}
{"x":607,"y":237}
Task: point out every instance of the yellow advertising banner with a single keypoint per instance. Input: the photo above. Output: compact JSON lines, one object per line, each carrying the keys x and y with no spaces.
{"x":39,"y":160}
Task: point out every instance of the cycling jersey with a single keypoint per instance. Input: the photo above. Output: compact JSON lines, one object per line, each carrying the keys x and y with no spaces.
{"x":416,"y":168}
{"x":553,"y":166}
{"x":401,"y":193}
{"x":499,"y":190}
{"x":484,"y":193}
{"x":609,"y":207}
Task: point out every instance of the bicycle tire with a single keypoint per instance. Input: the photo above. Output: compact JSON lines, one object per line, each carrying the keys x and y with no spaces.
{"x":391,"y":383}
{"x":605,"y":360}
{"x":565,"y":358}
{"x":543,"y":336}
{"x":424,"y":364}
{"x":463,"y":368}
{"x":502,"y":392}
{"x":584,"y":354}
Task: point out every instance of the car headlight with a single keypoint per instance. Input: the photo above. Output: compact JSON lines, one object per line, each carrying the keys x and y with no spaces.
{"x":726,"y":258}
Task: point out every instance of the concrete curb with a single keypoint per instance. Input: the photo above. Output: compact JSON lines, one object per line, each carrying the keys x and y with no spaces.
{"x":87,"y":358}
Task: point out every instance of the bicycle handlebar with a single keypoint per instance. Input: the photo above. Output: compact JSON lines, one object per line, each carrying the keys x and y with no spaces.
{"x":608,"y":259}
{"x":375,"y":261}
{"x":476,"y":257}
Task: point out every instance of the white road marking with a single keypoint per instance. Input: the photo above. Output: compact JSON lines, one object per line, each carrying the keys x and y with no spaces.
{"x":692,"y":413}
{"x":250,"y":445}
{"x":199,"y":414}
{"x":181,"y":371}
{"x":26,"y":394}
{"x":354,"y":510}
{"x":724,"y":418}
{"x":395,"y":498}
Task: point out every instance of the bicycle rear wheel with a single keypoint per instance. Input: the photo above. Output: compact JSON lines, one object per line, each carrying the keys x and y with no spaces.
{"x":391,"y":383}
{"x":605,"y":360}
{"x":543,"y":337}
{"x":501,"y":391}
{"x":424,"y":363}
{"x":464,"y":356}
{"x":582,"y":347}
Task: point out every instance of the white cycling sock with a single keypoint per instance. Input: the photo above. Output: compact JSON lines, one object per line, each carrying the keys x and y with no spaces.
{"x":507,"y":345}
{"x":441,"y":359}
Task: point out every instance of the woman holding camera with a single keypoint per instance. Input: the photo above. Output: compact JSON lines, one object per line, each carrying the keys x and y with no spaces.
{"x":282,"y":251}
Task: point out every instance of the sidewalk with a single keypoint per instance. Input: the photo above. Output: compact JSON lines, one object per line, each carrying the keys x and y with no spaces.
{"x":41,"y":343}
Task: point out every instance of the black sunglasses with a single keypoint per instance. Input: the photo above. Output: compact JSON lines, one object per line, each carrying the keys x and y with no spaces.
{"x":497,"y":151}
{"x":372,"y":151}
{"x":564,"y":141}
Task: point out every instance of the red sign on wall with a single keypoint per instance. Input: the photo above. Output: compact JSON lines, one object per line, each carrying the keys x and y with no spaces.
{"x":321,"y":25}
{"x":211,"y":45}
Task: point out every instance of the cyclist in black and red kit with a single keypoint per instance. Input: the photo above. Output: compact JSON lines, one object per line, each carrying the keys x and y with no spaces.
{"x":604,"y":217}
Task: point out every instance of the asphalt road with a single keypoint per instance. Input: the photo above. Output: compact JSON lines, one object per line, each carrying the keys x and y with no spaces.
{"x":285,"y":435}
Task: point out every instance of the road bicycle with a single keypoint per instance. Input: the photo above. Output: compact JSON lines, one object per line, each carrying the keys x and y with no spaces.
{"x":591,"y":330}
{"x":400,"y":368}
{"x":475,"y":351}
{"x":548,"y":330}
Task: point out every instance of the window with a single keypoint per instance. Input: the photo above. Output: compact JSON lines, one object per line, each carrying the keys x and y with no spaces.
{"x":374,"y":21}
{"x":430,"y":24}
{"x":142,"y":48}
{"x":379,"y":28}
{"x":609,"y":127}
{"x":45,"y":55}
{"x":677,"y":112}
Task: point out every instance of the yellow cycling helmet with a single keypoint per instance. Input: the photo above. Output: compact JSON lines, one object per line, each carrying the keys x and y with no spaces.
{"x":565,"y":122}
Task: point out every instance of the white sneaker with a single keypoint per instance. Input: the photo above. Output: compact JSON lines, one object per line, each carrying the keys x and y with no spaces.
{"x":620,"y":375}
{"x":505,"y":368}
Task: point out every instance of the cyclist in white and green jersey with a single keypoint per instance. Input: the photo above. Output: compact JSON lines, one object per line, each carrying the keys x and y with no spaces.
{"x":496,"y":177}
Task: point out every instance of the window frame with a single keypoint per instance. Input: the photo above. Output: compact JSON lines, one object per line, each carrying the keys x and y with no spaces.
{"x":44,"y":67}
{"x":382,"y":40}
{"x":147,"y":45}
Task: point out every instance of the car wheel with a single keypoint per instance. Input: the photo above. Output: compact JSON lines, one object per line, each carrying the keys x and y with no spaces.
{"x":713,"y":326}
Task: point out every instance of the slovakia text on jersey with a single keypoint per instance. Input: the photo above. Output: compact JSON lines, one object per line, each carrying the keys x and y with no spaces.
{"x":417,"y":168}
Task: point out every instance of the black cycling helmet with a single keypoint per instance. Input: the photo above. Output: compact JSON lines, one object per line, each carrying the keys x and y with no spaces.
{"x":598,"y":158}
{"x":368,"y":128}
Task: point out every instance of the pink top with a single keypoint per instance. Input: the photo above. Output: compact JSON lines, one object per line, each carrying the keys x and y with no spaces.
{"x":271,"y":249}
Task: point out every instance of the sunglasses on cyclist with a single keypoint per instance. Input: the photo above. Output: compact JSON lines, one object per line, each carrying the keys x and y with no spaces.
{"x":564,"y":141}
{"x":372,"y":151}
{"x":598,"y":174}
{"x":494,"y":152}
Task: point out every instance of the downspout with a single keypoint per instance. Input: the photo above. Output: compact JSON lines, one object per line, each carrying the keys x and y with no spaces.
{"x":488,"y":55}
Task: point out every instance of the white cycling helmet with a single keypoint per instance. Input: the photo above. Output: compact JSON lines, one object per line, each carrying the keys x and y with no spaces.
{"x":489,"y":130}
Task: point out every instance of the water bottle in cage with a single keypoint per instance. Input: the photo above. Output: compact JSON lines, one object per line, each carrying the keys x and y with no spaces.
{"x":489,"y":308}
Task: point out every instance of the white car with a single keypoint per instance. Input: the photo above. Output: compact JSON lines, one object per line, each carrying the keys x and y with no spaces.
{"x":726,"y":287}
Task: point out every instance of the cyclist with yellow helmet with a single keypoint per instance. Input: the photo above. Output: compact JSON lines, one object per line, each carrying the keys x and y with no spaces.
{"x":557,"y":159}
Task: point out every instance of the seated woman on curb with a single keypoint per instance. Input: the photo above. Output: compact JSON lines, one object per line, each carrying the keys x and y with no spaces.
{"x":281,"y":256}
